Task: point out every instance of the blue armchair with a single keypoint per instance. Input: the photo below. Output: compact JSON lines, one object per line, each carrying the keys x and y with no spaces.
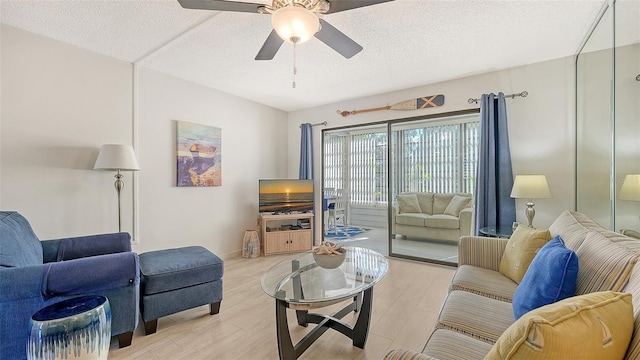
{"x":35,"y":274}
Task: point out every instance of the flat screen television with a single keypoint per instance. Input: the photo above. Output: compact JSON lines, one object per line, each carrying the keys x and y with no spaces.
{"x":285,"y":196}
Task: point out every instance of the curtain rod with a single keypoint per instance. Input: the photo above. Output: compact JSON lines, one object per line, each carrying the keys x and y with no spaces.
{"x":523,"y":94}
{"x":324,"y":123}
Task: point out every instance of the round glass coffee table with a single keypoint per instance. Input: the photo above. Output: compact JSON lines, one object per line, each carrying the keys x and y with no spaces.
{"x":298,"y":283}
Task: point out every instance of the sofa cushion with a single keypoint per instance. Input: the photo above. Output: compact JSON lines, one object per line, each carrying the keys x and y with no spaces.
{"x":485,"y":282}
{"x":475,"y":315}
{"x":408,"y":204}
{"x":481,"y":251}
{"x":604,"y":265}
{"x":441,"y":201}
{"x":411,"y":219}
{"x":425,"y":199}
{"x":521,"y":248}
{"x":456,"y":205}
{"x":573,"y":227}
{"x":442,"y":221}
{"x":426,"y":202}
{"x":551,"y":277}
{"x":592,"y":326}
{"x":447,"y":344}
{"x":19,"y":245}
{"x":633,"y":287}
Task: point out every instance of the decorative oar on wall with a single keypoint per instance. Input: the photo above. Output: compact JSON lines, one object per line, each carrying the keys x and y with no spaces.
{"x":413,"y":104}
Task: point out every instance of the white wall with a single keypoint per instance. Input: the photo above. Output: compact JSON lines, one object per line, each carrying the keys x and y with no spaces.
{"x":60,"y":103}
{"x":253,"y":147}
{"x":541,"y":127}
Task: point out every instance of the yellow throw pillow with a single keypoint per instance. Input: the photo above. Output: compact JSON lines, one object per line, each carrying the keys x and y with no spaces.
{"x":522,"y":247}
{"x":591,"y":326}
{"x":408,"y":203}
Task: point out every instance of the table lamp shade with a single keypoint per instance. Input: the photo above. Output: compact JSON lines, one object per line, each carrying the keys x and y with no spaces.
{"x":530,"y":187}
{"x":630,"y":189}
{"x":116,"y":157}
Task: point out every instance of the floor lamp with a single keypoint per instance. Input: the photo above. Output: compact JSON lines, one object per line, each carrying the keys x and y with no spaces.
{"x":120,"y":158}
{"x":530,"y":187}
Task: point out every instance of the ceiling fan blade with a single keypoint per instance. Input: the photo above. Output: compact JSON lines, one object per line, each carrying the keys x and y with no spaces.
{"x":270,"y":47}
{"x":220,"y":5}
{"x":337,"y":40}
{"x":342,"y":5}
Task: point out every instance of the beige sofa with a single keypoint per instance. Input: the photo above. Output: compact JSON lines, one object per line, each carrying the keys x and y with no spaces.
{"x":478,"y":308}
{"x":432,"y":215}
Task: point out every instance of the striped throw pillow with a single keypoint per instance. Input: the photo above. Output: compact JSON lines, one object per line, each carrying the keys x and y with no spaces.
{"x":604,"y":265}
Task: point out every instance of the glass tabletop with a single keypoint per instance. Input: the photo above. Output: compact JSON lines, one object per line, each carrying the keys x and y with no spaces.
{"x":361,"y":269}
{"x":500,"y":231}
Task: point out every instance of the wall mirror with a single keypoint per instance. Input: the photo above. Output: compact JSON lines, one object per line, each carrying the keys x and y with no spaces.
{"x":608,"y":119}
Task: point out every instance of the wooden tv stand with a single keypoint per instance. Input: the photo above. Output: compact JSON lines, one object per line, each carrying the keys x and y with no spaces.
{"x":281,"y":238}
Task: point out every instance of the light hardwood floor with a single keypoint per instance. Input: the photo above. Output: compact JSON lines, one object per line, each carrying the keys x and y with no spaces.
{"x":405,"y":307}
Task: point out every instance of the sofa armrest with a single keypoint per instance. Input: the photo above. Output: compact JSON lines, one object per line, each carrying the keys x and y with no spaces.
{"x":401,"y":354}
{"x":85,"y":246}
{"x":17,"y":283}
{"x":484,"y":252}
{"x":466,"y":221}
{"x":89,"y":275}
{"x":74,"y":277}
{"x":395,"y":210}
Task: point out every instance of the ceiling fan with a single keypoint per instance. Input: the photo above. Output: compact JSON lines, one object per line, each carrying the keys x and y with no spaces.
{"x":294,"y":21}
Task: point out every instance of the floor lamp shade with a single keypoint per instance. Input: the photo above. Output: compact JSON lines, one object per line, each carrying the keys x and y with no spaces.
{"x":530,"y":187}
{"x":116,"y":157}
{"x":120,"y":158}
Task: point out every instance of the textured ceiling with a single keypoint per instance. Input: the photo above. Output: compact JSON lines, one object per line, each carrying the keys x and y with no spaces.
{"x":406,"y":43}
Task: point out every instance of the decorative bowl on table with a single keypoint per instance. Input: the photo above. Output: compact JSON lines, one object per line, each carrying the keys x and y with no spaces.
{"x":329,"y":255}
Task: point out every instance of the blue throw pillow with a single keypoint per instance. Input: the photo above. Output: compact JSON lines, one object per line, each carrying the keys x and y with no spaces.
{"x":551,"y":277}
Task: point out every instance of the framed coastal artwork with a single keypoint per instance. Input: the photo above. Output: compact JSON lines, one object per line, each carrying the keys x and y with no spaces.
{"x":199,"y":155}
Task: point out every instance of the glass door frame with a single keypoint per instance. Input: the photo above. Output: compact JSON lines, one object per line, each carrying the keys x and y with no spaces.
{"x":390,"y":195}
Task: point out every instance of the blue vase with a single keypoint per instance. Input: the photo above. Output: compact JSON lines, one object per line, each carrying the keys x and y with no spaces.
{"x":77,"y":328}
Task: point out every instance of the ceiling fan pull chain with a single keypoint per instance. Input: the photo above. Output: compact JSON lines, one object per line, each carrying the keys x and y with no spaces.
{"x":295,"y":70}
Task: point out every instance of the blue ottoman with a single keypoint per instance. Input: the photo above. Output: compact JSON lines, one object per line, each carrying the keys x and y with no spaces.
{"x":174,"y":280}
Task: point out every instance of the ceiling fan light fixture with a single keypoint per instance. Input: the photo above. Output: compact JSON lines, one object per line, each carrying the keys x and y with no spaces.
{"x":295,"y":24}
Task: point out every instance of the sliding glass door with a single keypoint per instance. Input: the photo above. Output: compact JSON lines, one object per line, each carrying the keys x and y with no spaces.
{"x":378,"y":166}
{"x":431,"y":160}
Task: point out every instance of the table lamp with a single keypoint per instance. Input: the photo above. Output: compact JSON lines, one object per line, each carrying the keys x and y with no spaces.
{"x":530,"y":187}
{"x":120,"y":158}
{"x":630,"y":189}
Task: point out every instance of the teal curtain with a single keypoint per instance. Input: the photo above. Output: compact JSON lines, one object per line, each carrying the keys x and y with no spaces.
{"x":306,"y":152}
{"x":494,"y":205}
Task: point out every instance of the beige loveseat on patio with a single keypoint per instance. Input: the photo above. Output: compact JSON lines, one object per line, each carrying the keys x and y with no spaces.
{"x":432,"y":215}
{"x":478,"y":311}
